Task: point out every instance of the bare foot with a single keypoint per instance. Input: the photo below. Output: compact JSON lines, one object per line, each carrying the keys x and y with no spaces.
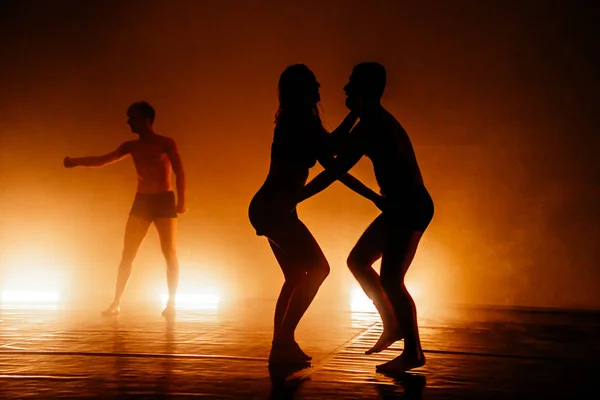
{"x":404,"y":362}
{"x":297,"y":352}
{"x":112,"y":311}
{"x":286,"y":354}
{"x":292,"y":348}
{"x":169,"y":311}
{"x":387,"y":338}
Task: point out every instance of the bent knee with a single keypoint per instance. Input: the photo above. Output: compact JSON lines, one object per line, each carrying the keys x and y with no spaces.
{"x":169,"y":252}
{"x":294,"y":278}
{"x":392,"y":281}
{"x":357,"y":263}
{"x":321,"y":269}
{"x":128,"y":256}
{"x":353,"y":262}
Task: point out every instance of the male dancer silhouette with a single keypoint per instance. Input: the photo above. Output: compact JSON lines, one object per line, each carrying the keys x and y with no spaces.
{"x":407,"y":211}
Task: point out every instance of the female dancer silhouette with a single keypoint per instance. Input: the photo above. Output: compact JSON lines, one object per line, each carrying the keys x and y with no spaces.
{"x":299,"y":142}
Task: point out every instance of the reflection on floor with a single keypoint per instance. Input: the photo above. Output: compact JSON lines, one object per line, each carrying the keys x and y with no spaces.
{"x":222,"y":353}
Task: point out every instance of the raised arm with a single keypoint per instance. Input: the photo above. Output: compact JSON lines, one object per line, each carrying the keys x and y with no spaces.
{"x":98,"y":161}
{"x":175,"y":158}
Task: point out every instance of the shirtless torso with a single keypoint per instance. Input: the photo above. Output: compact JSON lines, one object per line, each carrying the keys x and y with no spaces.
{"x":152,"y":159}
{"x":384,"y":141}
{"x":155,"y":158}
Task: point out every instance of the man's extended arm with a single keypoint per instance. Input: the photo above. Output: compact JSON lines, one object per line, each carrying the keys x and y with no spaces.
{"x":98,"y":161}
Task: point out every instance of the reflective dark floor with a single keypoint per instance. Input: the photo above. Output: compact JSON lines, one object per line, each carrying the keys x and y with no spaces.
{"x":222,"y":354}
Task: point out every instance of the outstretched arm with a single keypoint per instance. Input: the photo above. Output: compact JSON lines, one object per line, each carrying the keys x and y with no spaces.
{"x":98,"y":161}
{"x":351,"y":182}
{"x":177,"y":165}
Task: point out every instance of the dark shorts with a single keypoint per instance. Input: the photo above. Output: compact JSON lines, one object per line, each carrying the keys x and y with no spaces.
{"x":413,"y":210}
{"x":151,"y":206}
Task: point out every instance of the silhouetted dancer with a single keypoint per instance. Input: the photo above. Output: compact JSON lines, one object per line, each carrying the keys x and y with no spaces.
{"x":154,"y":157}
{"x":299,"y":141}
{"x":407,"y":211}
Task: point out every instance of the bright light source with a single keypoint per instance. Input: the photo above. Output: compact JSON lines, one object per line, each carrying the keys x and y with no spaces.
{"x":32,"y":272}
{"x":29,"y":297}
{"x":359,"y":302}
{"x":14,"y":299}
{"x":201,"y":301}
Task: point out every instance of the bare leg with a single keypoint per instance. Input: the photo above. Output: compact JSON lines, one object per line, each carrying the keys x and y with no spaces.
{"x":167,"y":228}
{"x":301,"y":246}
{"x":367,"y":250}
{"x":293,"y":276}
{"x":399,"y":250}
{"x":135,"y":232}
{"x":305,"y":268}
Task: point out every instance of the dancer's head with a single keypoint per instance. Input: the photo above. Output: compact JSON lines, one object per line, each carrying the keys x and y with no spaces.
{"x":298,"y":93}
{"x":365,"y":86}
{"x":140,"y":117}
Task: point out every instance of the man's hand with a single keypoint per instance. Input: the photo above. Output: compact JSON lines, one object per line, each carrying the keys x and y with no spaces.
{"x":181,"y":208}
{"x":292,"y":205}
{"x":69,"y":163}
{"x":380,"y":202}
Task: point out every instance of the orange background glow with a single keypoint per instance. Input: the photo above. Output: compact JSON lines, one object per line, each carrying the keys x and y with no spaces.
{"x":498,"y":103}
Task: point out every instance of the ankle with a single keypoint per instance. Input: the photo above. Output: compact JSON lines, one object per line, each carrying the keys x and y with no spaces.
{"x":283,"y":340}
{"x":412,"y":352}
